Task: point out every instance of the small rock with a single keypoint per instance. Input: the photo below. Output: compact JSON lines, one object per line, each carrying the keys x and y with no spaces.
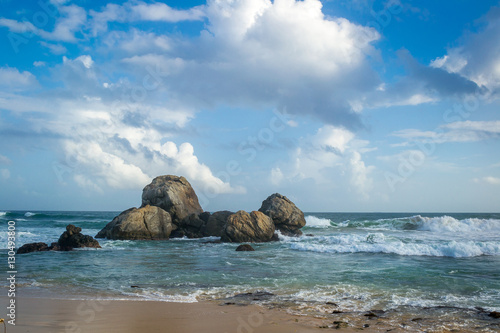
{"x":332,"y":303}
{"x":494,"y":314}
{"x":366,"y":325}
{"x":340,"y":324}
{"x":245,"y":247}
{"x":371,"y":315}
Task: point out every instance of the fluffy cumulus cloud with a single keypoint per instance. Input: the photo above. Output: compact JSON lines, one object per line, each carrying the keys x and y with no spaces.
{"x":259,"y":53}
{"x":332,"y":157}
{"x":13,"y":79}
{"x":108,"y":139}
{"x":478,"y":58}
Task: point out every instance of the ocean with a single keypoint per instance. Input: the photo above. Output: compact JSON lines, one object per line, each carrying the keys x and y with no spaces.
{"x":354,"y":262}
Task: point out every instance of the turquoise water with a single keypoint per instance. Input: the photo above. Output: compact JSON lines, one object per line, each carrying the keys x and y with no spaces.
{"x":359,"y":261}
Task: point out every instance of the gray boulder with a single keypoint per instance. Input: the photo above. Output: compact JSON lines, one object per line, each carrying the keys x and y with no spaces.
{"x":174,"y":195}
{"x":148,"y":222}
{"x":286,"y":216}
{"x":243,"y":227}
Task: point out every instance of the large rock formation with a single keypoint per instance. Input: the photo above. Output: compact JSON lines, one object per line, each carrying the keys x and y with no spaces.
{"x":243,"y":227}
{"x":73,"y":238}
{"x":174,"y":195}
{"x":147,"y":222}
{"x":216,"y":223}
{"x":70,"y":239}
{"x":286,"y":216}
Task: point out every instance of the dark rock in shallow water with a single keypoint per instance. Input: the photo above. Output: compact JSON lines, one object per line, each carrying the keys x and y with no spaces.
{"x":33,"y":247}
{"x":243,"y":227}
{"x":286,"y":216}
{"x":245,"y":247}
{"x":174,"y":195}
{"x":73,"y":238}
{"x":147,"y":222}
{"x":70,"y":239}
{"x":494,"y":314}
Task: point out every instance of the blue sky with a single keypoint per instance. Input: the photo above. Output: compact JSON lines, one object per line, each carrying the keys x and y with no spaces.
{"x":340,"y":105}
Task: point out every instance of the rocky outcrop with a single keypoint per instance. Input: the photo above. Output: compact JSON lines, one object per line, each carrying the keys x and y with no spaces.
{"x":216,"y":223}
{"x":174,"y":195}
{"x":73,"y":238}
{"x":245,"y":247}
{"x":148,"y":222}
{"x":243,"y":227}
{"x":285,"y":215}
{"x":33,"y":247}
{"x":70,"y":239}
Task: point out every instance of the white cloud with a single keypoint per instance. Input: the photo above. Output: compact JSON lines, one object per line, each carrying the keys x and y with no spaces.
{"x":140,"y":11}
{"x":284,"y":54}
{"x":108,"y":141}
{"x":5,"y":173}
{"x":72,"y":18}
{"x":86,"y":60}
{"x":162,"y":12}
{"x":13,"y":80}
{"x":488,"y":180}
{"x":460,"y":131}
{"x":54,"y":48}
{"x":276,"y":176}
{"x":332,"y":158}
{"x":4,"y":160}
{"x":478,"y":56}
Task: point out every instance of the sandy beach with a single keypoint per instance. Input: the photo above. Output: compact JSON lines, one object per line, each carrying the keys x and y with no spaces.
{"x":49,"y":315}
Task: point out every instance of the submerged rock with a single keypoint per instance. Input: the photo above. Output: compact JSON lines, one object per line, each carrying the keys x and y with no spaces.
{"x":245,"y":247}
{"x":174,"y":195}
{"x":147,"y":222}
{"x":285,"y":215}
{"x":243,"y":227}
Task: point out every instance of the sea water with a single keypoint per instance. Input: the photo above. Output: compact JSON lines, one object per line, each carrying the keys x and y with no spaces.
{"x":357,"y":261}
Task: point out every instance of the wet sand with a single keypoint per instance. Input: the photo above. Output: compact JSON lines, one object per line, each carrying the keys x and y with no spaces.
{"x":43,"y":315}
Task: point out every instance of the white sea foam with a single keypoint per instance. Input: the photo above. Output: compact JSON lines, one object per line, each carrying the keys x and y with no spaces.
{"x":317,"y":222}
{"x":450,"y":224}
{"x":29,"y":214}
{"x":3,"y":213}
{"x":450,"y":249}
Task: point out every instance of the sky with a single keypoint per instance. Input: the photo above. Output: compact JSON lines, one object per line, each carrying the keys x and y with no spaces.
{"x":343,"y":106}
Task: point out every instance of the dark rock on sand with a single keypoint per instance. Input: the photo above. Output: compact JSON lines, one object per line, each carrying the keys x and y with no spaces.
{"x":148,"y":222}
{"x":73,"y":238}
{"x":243,"y":227}
{"x":245,"y":247}
{"x":33,"y":247}
{"x":286,"y":216}
{"x":174,"y":195}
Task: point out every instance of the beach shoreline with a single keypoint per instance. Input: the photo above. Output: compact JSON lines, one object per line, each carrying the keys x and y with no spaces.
{"x":46,"y":314}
